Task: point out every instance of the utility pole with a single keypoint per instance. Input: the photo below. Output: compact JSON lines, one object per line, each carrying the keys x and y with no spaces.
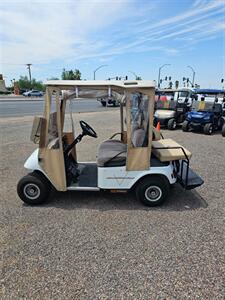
{"x":159,"y":75}
{"x":193,"y":73}
{"x":135,"y":75}
{"x":29,"y":70}
{"x":98,"y":69}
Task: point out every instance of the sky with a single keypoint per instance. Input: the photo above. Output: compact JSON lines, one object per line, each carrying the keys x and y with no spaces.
{"x":128,"y":36}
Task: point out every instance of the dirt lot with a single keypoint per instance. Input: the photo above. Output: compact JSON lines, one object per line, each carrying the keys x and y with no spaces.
{"x":109,"y":246}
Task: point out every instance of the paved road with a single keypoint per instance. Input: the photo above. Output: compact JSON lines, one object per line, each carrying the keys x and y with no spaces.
{"x":19,"y":108}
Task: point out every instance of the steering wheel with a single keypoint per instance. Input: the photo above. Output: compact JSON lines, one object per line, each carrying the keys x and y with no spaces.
{"x":87,"y":130}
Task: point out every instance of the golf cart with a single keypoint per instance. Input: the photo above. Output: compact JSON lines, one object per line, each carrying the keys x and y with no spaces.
{"x":223,"y":107}
{"x":108,"y":101}
{"x":139,"y":160}
{"x":206,"y":114}
{"x":172,"y":112}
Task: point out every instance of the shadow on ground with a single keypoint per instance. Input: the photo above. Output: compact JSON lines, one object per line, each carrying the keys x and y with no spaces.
{"x":179,"y":200}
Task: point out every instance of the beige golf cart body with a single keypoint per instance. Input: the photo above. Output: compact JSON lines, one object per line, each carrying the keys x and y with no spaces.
{"x":139,"y":158}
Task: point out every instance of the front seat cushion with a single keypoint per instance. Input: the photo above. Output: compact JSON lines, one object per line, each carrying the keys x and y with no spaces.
{"x":112,"y":153}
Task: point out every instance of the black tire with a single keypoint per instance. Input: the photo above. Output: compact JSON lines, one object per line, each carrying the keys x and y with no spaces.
{"x":33,"y":190}
{"x":208,"y":129}
{"x":220,"y":123}
{"x":103,"y":103}
{"x":155,"y":122}
{"x":185,"y":125}
{"x":152,"y":190}
{"x":223,"y":130}
{"x":172,"y":124}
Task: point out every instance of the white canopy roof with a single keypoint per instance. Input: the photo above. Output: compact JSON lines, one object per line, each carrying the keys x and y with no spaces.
{"x":102,"y":83}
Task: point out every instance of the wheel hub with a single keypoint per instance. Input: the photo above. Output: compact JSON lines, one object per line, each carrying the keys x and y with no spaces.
{"x":32,"y":191}
{"x":153,"y":193}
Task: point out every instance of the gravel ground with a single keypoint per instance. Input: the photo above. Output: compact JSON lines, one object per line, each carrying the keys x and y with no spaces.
{"x":109,"y":246}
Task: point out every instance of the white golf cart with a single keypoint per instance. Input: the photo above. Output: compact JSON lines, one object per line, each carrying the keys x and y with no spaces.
{"x":171,"y":113}
{"x":140,"y":160}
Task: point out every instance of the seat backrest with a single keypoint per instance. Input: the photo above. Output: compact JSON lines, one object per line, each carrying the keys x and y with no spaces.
{"x":181,"y":105}
{"x":138,"y":137}
{"x":217,"y":108}
{"x":200,"y":105}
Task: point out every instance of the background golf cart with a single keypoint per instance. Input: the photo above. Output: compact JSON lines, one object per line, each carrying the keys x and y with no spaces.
{"x":139,"y":160}
{"x":171,"y":112}
{"x":223,"y":128}
{"x":207,"y":112}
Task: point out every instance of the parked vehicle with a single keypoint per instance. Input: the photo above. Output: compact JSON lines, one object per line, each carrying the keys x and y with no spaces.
{"x":108,"y":101}
{"x":164,"y":94}
{"x":223,"y":105}
{"x":140,"y":160}
{"x":206,"y":116}
{"x":171,"y":113}
{"x":33,"y":93}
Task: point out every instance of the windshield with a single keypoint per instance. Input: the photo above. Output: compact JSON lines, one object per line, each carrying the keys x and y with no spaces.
{"x":203,"y":106}
{"x":183,"y":94}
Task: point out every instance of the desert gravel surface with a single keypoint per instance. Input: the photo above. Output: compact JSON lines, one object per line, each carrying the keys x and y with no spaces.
{"x":109,"y":246}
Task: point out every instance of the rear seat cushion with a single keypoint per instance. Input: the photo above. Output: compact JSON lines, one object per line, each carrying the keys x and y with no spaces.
{"x":112,"y":150}
{"x":168,"y":154}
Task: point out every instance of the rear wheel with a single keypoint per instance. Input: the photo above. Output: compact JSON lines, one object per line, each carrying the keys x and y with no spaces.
{"x":208,"y":129}
{"x":33,"y":190}
{"x":220,"y":123}
{"x":223,"y":130}
{"x":152,"y":191}
{"x":172,"y":124}
{"x":185,"y":125}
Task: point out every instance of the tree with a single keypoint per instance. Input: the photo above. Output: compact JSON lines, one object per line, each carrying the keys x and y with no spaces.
{"x":71,"y":75}
{"x":24,"y":83}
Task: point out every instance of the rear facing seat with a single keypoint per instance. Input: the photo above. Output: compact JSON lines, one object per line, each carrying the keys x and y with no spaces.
{"x":165,"y":154}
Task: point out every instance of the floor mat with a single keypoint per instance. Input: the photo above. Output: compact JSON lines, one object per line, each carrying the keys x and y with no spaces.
{"x":88,"y":175}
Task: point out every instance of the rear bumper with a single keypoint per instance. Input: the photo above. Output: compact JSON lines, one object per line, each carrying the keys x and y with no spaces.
{"x":188,"y":178}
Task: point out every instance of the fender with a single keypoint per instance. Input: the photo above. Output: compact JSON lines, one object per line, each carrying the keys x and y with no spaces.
{"x":32,"y":162}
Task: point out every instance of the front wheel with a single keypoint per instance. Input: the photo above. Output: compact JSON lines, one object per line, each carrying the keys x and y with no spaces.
{"x":152,"y":191}
{"x":33,"y":190}
{"x":103,"y":103}
{"x":223,"y":130}
{"x":172,"y":124}
{"x":208,"y":129}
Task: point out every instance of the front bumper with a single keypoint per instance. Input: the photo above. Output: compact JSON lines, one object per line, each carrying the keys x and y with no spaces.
{"x":196,"y":126}
{"x":162,"y":121}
